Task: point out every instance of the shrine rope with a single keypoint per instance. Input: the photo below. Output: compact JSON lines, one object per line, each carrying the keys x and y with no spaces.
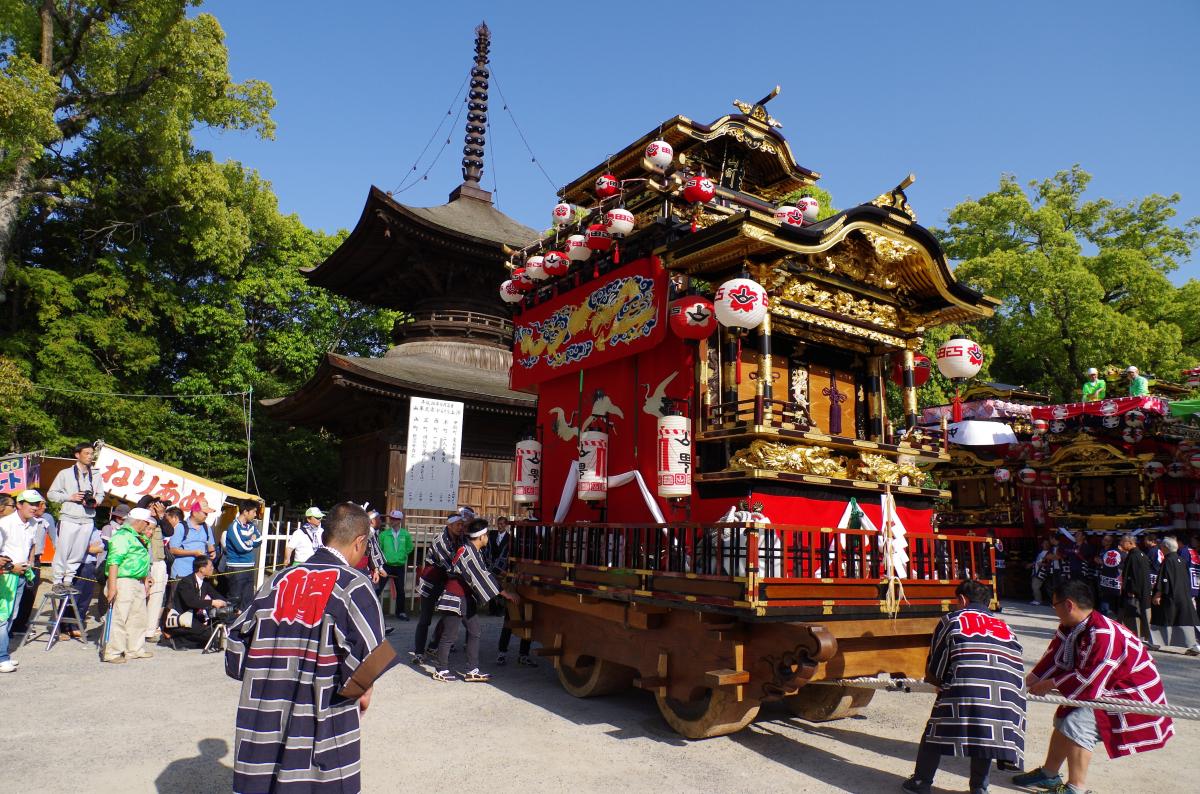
{"x":1104,"y":704}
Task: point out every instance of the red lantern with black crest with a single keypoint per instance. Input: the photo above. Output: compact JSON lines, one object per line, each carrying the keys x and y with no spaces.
{"x":692,"y":317}
{"x":555,"y":263}
{"x":922,"y":368}
{"x":1027,"y":476}
{"x":607,"y":186}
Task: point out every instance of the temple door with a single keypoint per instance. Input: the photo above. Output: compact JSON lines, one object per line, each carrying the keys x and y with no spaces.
{"x":831,"y":400}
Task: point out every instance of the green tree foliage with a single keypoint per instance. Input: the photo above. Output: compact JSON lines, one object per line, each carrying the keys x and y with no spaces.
{"x":140,"y":265}
{"x":1082,"y":282}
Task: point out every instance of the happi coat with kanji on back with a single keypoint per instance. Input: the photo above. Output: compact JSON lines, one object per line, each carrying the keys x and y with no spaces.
{"x":310,"y":645}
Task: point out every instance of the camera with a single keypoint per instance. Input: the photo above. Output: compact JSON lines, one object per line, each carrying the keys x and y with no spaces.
{"x":222,"y":614}
{"x":89,"y":500}
{"x":7,"y":567}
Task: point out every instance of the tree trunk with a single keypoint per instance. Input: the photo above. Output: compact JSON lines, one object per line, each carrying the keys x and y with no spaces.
{"x":12,"y":197}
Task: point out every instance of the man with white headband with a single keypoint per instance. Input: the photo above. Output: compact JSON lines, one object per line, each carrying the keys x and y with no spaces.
{"x":431,"y":579}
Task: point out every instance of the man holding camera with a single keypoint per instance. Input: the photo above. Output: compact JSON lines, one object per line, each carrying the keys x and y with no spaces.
{"x":199,"y":605}
{"x":79,"y":489}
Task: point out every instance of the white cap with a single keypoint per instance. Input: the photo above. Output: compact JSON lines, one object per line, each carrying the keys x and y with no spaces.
{"x":140,"y":514}
{"x":1092,"y":371}
{"x":1132,"y":368}
{"x":313,"y":512}
{"x":396,"y":514}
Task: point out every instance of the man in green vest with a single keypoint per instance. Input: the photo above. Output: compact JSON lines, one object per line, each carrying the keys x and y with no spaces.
{"x":1094,"y":389}
{"x":1138,"y":385}
{"x":396,"y":544}
{"x":128,"y":565}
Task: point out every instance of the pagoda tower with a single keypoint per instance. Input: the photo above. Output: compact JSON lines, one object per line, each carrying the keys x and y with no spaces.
{"x":440,"y":266}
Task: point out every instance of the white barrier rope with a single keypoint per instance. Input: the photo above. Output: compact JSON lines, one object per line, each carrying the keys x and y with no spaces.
{"x":1105,"y":704}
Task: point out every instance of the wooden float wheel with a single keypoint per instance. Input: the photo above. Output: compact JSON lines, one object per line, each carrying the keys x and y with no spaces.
{"x":591,"y":677}
{"x":715,"y":713}
{"x":821,"y":702}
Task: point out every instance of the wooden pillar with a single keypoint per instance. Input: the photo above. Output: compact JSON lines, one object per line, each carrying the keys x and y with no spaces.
{"x":874,"y":398}
{"x":764,"y":364}
{"x":729,"y":365}
{"x":909,"y":400}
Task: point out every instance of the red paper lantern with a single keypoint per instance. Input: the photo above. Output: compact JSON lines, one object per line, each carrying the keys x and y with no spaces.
{"x":1002,"y":475}
{"x":607,"y":186}
{"x":698,"y":190}
{"x":922,"y":368}
{"x":1132,"y":435}
{"x":521,"y":279}
{"x":1027,"y":476}
{"x":555,"y":263}
{"x":692,"y":317}
{"x":598,"y":237}
{"x":1040,"y":425}
{"x":1047,"y":478}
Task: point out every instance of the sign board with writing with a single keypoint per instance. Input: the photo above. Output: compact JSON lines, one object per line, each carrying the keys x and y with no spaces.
{"x":18,"y":473}
{"x":434,"y":451}
{"x":131,"y":478}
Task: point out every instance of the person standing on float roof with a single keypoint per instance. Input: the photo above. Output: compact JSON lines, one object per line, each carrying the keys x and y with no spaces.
{"x":1095,"y":388}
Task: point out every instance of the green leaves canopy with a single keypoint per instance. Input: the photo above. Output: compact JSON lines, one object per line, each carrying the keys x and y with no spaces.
{"x":1082,"y":282}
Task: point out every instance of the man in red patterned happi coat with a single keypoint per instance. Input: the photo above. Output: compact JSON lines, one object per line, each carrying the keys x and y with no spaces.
{"x":1093,"y":657}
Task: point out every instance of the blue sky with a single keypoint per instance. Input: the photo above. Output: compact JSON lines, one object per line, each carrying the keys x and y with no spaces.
{"x":957,"y":92}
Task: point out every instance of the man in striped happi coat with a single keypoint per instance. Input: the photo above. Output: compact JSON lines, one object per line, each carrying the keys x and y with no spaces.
{"x":975,"y":661}
{"x":1093,"y":657}
{"x":307,"y":652}
{"x":470,"y":585}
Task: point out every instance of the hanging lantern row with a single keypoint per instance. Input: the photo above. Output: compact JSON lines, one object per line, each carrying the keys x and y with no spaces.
{"x":803,"y":214}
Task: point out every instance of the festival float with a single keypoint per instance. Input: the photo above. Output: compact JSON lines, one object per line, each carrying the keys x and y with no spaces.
{"x":719,"y":514}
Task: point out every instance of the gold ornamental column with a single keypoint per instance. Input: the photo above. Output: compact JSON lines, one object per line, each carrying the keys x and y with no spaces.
{"x":909,"y":395}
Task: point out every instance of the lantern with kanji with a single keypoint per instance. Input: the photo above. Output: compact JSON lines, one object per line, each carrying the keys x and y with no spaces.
{"x":528,"y":476}
{"x":959,"y":359}
{"x":593,"y":466}
{"x":1002,"y":475}
{"x":509,"y":293}
{"x":607,"y":186}
{"x":674,"y":456}
{"x":535,"y":268}
{"x":788,"y":215}
{"x":659,"y":155}
{"x":1027,"y":475}
{"x":1040,"y":425}
{"x":692,"y":317}
{"x":562,"y":214}
{"x":1155,"y":469}
{"x":810,"y":208}
{"x":698,"y":189}
{"x":598,"y":237}
{"x":922,"y":369}
{"x":619,"y":221}
{"x":577,"y":248}
{"x":555,"y":263}
{"x":740,"y":303}
{"x":521,"y":278}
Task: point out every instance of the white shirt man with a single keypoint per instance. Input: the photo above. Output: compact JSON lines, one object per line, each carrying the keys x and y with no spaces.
{"x":306,"y":538}
{"x":17,"y":533}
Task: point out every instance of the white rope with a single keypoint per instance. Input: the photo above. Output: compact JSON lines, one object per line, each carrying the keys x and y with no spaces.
{"x":1104,"y":704}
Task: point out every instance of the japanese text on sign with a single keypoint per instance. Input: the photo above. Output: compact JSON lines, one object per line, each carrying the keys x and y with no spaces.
{"x":434,"y":447}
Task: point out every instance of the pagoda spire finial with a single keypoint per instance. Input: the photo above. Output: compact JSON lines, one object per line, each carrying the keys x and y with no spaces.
{"x":477,"y":108}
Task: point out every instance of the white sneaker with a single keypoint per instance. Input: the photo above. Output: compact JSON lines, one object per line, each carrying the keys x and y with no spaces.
{"x":8,"y":667}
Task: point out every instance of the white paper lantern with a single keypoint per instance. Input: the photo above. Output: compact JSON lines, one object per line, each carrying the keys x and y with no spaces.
{"x":1027,"y":475}
{"x":659,"y":155}
{"x":577,"y":248}
{"x":959,"y":358}
{"x":593,"y":466}
{"x":1040,"y":425}
{"x":1194,"y":459}
{"x":1176,"y":469}
{"x":509,"y":292}
{"x":674,"y":456}
{"x":1002,"y":475}
{"x":528,"y":476}
{"x":535,"y":268}
{"x":810,"y":207}
{"x":788,"y":215}
{"x":740,"y":303}
{"x":562,"y":214}
{"x":1155,"y":469}
{"x":1133,"y":435}
{"x":619,"y":221}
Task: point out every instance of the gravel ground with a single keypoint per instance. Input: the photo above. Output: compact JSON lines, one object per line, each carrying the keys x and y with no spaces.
{"x":165,"y":724}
